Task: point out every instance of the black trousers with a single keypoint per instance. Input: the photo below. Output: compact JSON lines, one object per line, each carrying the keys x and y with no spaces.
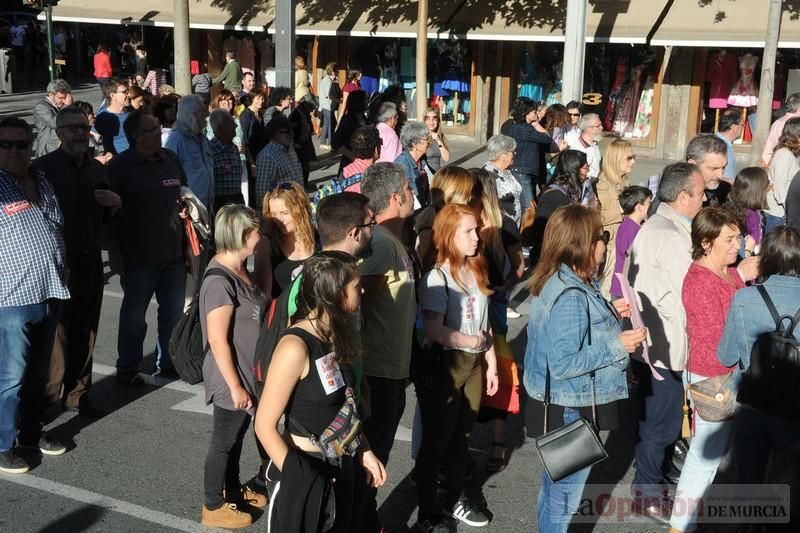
{"x":222,"y":460}
{"x":387,"y":402}
{"x":659,"y":424}
{"x":71,"y":362}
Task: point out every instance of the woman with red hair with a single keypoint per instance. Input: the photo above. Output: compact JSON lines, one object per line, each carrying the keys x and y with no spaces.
{"x":454,"y":299}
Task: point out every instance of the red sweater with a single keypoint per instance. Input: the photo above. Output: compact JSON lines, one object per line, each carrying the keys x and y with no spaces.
{"x":102,"y":65}
{"x":706,"y":299}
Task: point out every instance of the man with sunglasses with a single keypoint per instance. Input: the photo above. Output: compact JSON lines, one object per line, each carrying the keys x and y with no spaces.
{"x":572,"y":131}
{"x":83,"y":190}
{"x":277,"y":163}
{"x":33,"y":278}
{"x":109,"y":122}
{"x":59,"y":94}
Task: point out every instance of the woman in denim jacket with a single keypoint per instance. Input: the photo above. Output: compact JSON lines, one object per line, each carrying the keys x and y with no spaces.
{"x":757,"y":434}
{"x":566,"y":299}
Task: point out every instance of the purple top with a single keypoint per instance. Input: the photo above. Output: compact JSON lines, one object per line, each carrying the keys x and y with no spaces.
{"x":752,"y":219}
{"x":625,"y":234}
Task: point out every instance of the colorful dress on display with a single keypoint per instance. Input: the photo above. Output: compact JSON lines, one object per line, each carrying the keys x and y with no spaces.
{"x":615,"y":94}
{"x":628,"y":105}
{"x":721,"y":73}
{"x":644,"y":115}
{"x":531,"y":86}
{"x":744,"y":92}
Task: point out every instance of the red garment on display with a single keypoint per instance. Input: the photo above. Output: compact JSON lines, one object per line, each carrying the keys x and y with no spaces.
{"x":722,"y":72}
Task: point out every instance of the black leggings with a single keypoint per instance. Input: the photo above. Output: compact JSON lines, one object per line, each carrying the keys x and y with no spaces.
{"x":222,"y":460}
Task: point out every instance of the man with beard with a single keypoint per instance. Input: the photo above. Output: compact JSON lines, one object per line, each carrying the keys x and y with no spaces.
{"x":710,"y":154}
{"x":82,"y":188}
{"x":591,"y":130}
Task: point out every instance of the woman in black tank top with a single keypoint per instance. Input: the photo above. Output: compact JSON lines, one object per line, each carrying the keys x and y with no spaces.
{"x":308,"y":382}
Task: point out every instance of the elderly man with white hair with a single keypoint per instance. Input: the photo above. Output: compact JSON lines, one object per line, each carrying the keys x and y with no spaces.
{"x":387,"y":120}
{"x":192,"y":148}
{"x":591,"y":130}
{"x":415,"y":139}
{"x":227,"y":162}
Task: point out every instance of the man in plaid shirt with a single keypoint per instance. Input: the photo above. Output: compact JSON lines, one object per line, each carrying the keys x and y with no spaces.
{"x":228,"y":166}
{"x":32,"y":285}
{"x":277,"y":162}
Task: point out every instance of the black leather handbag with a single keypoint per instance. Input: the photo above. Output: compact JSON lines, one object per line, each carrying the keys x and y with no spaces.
{"x":573,"y":447}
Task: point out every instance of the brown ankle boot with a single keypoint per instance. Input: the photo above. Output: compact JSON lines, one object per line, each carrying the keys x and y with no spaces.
{"x":228,"y":516}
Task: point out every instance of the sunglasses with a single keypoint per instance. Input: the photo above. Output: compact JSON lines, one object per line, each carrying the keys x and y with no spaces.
{"x":18,"y":145}
{"x":76,"y":127}
{"x":283,"y":186}
{"x":371,"y":224}
{"x":631,"y":158}
{"x":432,"y":117}
{"x":574,"y":114}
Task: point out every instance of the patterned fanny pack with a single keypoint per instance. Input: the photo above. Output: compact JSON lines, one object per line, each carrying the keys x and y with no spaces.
{"x":343,"y":434}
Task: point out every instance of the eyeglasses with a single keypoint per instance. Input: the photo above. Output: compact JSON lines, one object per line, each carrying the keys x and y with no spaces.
{"x":18,"y":145}
{"x":371,"y":224}
{"x":574,"y":114}
{"x":284,"y":186}
{"x":76,"y":127}
{"x":631,"y":157}
{"x":596,"y":126}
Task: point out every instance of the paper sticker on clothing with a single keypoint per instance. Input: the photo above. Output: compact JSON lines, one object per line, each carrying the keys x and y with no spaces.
{"x":329,"y":374}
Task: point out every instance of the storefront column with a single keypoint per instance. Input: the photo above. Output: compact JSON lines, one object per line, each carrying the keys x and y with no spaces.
{"x":284,"y":43}
{"x":676,"y":95}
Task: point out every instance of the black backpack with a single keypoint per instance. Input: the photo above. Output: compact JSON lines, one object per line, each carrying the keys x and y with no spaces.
{"x":770,"y":382}
{"x":186,"y":341}
{"x":275,"y":323}
{"x":335,"y":93}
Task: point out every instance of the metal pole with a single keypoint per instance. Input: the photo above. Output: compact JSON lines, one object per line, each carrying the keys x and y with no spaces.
{"x":764,"y":112}
{"x":422,"y":58}
{"x":284,"y":43}
{"x":48,"y":11}
{"x":574,"y":50}
{"x":182,"y":54}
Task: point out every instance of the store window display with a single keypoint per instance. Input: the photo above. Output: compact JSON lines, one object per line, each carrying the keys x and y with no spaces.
{"x":453,"y":73}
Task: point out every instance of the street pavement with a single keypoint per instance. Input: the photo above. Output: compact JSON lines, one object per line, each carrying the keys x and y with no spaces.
{"x":140,"y":468}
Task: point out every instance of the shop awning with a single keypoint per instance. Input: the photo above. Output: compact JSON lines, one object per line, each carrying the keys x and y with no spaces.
{"x":734,"y":23}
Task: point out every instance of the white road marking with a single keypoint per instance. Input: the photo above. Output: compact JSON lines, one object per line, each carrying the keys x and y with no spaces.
{"x":106,"y":502}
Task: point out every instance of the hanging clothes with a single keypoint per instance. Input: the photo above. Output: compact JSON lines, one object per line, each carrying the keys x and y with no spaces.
{"x":644,"y":114}
{"x":721,"y":73}
{"x":615,"y":94}
{"x":531,"y":85}
{"x":744,"y":92}
{"x":629,"y":104}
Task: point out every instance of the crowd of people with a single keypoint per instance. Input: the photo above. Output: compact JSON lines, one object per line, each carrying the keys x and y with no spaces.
{"x":399,"y":274}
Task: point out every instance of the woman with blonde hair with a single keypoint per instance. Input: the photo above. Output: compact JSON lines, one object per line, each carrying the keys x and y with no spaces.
{"x":302,"y":79}
{"x":451,"y":185}
{"x":438,"y":152}
{"x":290,"y":238}
{"x":617,"y":165}
{"x":454,"y":298}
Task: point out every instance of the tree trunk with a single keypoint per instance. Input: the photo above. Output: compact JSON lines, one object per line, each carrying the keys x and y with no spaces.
{"x":422,"y":58}
{"x":765,"y":92}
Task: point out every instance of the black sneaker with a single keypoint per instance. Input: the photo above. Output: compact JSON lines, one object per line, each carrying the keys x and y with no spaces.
{"x":435,"y":525}
{"x":166,"y":373}
{"x":11,"y":463}
{"x":465,"y":512}
{"x":131,"y":380}
{"x":46,"y":446}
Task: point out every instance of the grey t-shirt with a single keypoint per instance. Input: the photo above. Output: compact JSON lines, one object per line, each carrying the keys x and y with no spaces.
{"x":465,"y":311}
{"x":248,"y":302}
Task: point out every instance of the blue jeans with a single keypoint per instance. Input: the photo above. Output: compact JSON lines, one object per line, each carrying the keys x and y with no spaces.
{"x":771,"y":221}
{"x":168,"y":282}
{"x":328,"y":126}
{"x":528,"y":182}
{"x":558,"y":501}
{"x":26,"y":342}
{"x":708,"y":446}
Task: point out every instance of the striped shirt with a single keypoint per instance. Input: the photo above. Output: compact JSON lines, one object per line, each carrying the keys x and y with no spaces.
{"x":227,"y":168}
{"x":32,"y":252}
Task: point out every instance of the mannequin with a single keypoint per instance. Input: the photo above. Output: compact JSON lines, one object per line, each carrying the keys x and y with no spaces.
{"x":615,"y":94}
{"x":721,"y":73}
{"x":744,"y":92}
{"x":628,"y":104}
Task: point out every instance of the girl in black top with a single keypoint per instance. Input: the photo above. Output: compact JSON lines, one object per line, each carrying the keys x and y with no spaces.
{"x":307,"y":380}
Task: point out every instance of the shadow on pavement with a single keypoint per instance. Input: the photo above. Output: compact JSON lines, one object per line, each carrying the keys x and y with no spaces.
{"x":79,"y":520}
